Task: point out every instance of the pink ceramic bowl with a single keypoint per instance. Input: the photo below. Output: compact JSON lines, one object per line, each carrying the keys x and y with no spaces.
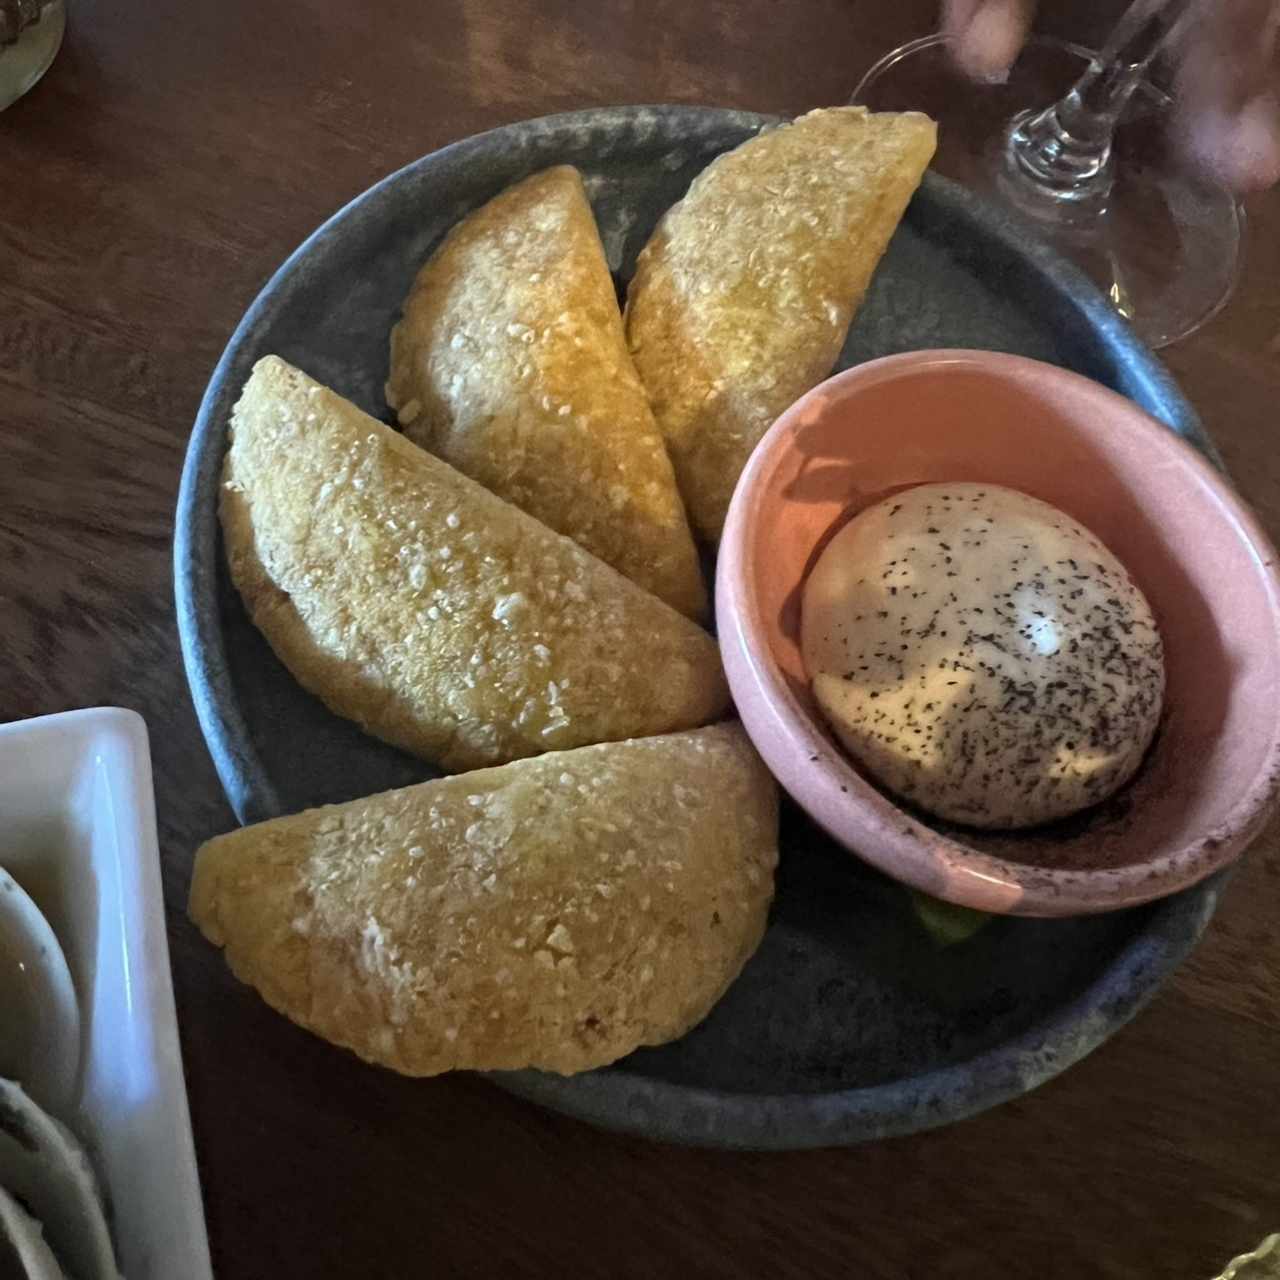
{"x":1196,"y":550}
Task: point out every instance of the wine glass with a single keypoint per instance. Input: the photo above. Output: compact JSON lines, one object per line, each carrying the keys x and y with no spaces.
{"x":1075,"y":141}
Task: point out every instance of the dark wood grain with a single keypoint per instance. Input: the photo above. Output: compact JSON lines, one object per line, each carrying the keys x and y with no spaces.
{"x":174,"y":155}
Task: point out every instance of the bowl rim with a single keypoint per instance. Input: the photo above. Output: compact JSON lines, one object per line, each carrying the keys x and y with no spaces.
{"x":801,"y":755}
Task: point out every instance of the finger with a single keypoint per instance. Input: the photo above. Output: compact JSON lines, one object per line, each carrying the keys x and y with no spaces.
{"x":1227,"y":112}
{"x":987,"y":34}
{"x":957,"y":14}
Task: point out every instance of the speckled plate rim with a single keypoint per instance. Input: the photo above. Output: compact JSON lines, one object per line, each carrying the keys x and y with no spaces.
{"x":618,"y":1098}
{"x":625,"y":1102}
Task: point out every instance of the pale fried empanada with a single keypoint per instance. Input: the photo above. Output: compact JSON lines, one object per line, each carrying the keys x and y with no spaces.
{"x":441,"y":618}
{"x":511,"y":364}
{"x":742,"y":298}
{"x":552,"y":913}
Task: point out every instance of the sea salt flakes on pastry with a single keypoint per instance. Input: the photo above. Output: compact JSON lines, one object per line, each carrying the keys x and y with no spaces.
{"x":437,"y":616}
{"x":742,"y":298}
{"x":553,"y":913}
{"x":511,"y":364}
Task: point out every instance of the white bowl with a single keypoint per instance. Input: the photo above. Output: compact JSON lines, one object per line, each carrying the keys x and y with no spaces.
{"x":79,"y":835}
{"x":43,"y":1164}
{"x":23,"y":1237}
{"x":40,"y":1047}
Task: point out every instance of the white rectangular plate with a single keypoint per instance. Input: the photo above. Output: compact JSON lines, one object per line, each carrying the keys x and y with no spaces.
{"x":78,"y":832}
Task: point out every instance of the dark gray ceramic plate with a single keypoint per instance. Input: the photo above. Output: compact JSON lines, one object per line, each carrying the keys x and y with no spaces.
{"x":848,"y":1024}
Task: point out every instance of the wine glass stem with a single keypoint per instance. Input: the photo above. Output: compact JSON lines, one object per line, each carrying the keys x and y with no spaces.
{"x":1063,"y":152}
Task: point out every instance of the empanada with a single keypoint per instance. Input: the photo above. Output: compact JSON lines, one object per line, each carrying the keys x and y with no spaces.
{"x":441,"y":618}
{"x":510,"y":363}
{"x":742,"y":298}
{"x":552,"y":913}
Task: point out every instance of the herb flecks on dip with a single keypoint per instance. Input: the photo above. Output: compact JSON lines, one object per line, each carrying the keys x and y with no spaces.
{"x":982,"y":655}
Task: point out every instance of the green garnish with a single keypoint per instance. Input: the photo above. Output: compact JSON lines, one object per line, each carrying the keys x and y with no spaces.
{"x":946,"y":923}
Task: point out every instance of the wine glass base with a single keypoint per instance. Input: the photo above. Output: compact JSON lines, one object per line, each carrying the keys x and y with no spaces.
{"x":1163,"y":247}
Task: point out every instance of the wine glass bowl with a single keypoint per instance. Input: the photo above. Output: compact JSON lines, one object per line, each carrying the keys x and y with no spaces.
{"x":1162,"y":245}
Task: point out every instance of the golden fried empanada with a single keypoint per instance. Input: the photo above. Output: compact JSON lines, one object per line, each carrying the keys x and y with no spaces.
{"x":742,"y":298}
{"x":441,"y":618}
{"x":511,"y":364}
{"x":552,"y":913}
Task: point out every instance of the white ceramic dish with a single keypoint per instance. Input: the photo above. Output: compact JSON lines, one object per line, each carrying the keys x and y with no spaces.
{"x":78,"y":834}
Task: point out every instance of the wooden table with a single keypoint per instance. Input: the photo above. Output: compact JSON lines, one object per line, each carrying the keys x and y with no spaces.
{"x":173,"y":156}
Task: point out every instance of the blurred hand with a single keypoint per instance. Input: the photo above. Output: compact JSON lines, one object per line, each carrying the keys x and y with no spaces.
{"x":1227,"y":118}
